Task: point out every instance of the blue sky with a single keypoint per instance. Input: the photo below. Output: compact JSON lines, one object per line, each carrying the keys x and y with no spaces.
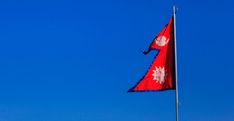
{"x":75,"y":60}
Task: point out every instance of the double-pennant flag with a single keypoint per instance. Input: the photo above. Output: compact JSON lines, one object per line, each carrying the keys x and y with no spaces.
{"x":162,"y":74}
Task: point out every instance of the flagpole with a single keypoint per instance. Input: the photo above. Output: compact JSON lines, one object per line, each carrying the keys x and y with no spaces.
{"x":176,"y":75}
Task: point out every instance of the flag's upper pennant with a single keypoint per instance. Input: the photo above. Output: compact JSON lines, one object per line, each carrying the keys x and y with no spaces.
{"x":161,"y":74}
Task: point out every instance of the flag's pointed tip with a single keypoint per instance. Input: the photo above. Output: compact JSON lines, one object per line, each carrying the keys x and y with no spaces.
{"x":130,"y":90}
{"x":145,"y":52}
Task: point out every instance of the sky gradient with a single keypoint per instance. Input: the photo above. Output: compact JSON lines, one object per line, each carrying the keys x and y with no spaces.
{"x":74,"y":60}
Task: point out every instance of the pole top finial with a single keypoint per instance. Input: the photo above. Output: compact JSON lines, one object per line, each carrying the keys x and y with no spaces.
{"x":175,"y":9}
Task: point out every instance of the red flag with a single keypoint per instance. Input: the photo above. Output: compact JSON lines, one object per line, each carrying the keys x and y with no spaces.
{"x":161,"y":74}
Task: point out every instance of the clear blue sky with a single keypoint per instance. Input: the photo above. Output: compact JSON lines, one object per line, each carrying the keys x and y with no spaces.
{"x":75,"y":60}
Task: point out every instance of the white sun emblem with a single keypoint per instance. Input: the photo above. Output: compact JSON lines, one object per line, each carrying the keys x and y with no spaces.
{"x":161,"y":40}
{"x":159,"y":74}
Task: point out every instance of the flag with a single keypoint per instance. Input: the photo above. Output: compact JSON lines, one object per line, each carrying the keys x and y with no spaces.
{"x":161,"y":74}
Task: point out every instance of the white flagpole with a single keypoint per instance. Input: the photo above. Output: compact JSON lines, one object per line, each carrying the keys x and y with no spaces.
{"x":176,"y":75}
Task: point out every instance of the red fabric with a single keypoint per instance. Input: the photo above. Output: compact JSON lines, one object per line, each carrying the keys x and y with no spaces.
{"x":161,"y":74}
